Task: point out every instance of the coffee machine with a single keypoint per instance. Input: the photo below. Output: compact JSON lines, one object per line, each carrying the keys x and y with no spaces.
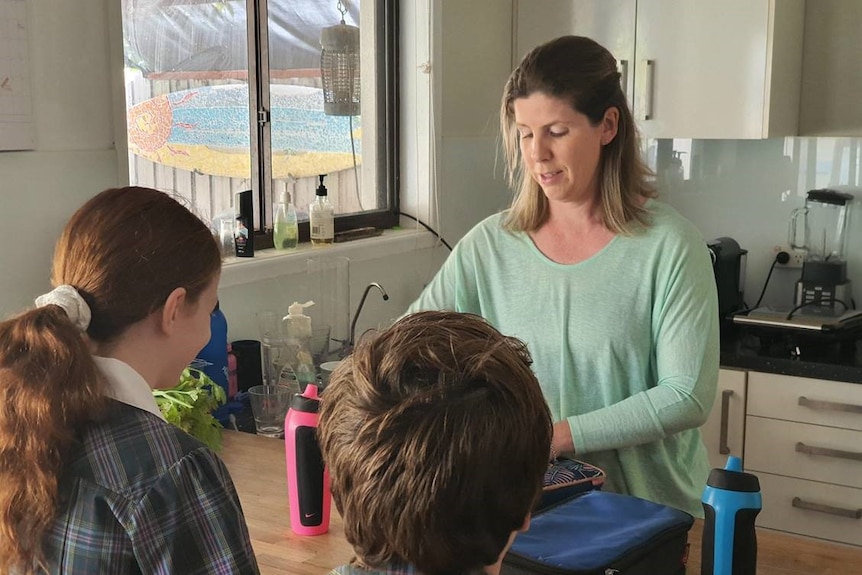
{"x":728,"y":263}
{"x":819,"y":230}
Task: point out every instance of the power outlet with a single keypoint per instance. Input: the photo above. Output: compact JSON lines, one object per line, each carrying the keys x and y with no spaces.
{"x":796,"y":256}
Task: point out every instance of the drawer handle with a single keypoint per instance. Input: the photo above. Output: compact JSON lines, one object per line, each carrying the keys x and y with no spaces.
{"x":829,"y":509}
{"x":828,"y":452}
{"x":723,"y":447}
{"x":829,"y":405}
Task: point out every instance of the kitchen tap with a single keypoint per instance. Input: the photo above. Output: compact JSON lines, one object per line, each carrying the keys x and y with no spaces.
{"x":352,"y":339}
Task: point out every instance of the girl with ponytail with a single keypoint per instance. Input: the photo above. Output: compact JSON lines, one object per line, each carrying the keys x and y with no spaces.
{"x":92,"y":479}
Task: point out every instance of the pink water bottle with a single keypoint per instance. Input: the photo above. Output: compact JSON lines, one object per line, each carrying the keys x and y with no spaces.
{"x":307,"y":477}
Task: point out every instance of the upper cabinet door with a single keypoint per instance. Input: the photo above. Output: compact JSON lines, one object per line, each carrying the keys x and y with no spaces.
{"x":611,"y":23}
{"x":728,"y":69}
{"x":699,"y":68}
{"x":832,"y":72}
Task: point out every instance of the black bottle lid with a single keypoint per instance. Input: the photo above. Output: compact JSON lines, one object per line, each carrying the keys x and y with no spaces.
{"x":321,"y":189}
{"x":304,"y":404}
{"x":733,"y":481}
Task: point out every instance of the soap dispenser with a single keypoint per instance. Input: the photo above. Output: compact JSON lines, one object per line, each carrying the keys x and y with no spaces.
{"x":298,"y":335}
{"x":285,"y":231}
{"x":321,"y":217}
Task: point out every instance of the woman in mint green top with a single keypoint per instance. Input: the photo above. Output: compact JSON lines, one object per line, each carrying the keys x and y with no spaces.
{"x":612,"y":290}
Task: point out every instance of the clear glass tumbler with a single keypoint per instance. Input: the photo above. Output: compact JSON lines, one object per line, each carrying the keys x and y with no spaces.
{"x":227,"y":244}
{"x":269,"y":404}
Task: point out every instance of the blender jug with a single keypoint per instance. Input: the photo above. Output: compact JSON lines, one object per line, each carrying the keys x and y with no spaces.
{"x":820,"y":230}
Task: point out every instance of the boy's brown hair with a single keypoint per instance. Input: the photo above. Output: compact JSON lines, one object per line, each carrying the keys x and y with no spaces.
{"x":436,"y":435}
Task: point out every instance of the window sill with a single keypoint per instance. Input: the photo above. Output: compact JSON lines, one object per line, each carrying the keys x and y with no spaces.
{"x":271,"y":263}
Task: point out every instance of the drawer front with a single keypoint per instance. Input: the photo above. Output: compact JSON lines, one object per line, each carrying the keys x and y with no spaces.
{"x":806,"y":451}
{"x":808,"y":508}
{"x":817,"y":401}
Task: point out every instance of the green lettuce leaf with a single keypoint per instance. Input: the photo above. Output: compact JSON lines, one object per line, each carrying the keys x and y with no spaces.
{"x":189,"y":406}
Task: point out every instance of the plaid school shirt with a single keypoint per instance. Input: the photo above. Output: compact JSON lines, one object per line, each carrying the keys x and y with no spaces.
{"x":142,"y":496}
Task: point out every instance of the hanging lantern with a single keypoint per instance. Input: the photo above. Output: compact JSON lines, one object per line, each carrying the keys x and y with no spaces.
{"x":339,"y":68}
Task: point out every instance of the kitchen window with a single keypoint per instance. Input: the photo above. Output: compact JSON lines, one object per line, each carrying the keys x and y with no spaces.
{"x":223,"y":97}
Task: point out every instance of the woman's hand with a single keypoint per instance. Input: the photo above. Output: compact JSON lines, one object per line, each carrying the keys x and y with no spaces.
{"x":562,"y":440}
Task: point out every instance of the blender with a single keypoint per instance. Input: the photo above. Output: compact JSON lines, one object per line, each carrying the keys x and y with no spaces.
{"x":822,"y":324}
{"x":820,"y":230}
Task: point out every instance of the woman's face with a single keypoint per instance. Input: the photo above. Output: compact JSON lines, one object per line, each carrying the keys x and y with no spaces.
{"x":560,"y":147}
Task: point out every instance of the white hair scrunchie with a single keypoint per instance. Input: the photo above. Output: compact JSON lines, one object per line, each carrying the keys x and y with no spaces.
{"x":68,"y":298}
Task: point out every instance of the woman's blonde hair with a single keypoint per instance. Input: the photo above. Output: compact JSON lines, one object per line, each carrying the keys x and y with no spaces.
{"x":581,"y":72}
{"x":124,"y":251}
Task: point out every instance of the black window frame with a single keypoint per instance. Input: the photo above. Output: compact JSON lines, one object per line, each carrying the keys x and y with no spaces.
{"x":388,"y":114}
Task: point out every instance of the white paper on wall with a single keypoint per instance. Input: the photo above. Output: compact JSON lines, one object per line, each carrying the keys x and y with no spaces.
{"x":17,"y":129}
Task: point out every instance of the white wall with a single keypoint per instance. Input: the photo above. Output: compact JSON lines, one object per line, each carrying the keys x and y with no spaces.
{"x":476,"y":61}
{"x":74,"y":156}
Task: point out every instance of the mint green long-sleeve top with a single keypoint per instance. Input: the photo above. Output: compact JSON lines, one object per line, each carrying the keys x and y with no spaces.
{"x":624,"y":344}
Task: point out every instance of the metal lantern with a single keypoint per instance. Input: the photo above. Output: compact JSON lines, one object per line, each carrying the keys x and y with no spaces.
{"x":339,"y":68}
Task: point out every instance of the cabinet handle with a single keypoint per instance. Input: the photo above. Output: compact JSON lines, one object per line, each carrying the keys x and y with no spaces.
{"x":624,"y":75}
{"x":821,"y":508}
{"x":650,"y":78}
{"x":723,"y":447}
{"x":823,"y":405}
{"x":828,"y":452}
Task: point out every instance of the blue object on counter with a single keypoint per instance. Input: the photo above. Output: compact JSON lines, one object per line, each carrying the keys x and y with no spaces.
{"x":212,"y":359}
{"x":731,"y":501}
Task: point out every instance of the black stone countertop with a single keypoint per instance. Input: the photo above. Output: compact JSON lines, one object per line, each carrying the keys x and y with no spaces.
{"x":784,"y":352}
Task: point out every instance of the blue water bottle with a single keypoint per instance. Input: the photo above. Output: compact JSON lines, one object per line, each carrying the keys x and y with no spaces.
{"x":213,"y":360}
{"x":731,"y":501}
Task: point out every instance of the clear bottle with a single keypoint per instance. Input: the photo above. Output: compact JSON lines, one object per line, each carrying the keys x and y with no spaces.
{"x":285,"y":232}
{"x":298,"y":331}
{"x":321,"y":217}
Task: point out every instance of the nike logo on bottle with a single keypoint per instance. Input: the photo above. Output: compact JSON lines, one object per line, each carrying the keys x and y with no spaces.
{"x":307,"y":515}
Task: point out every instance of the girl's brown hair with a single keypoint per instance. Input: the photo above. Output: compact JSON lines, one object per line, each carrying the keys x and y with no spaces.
{"x":124,"y":251}
{"x":583,"y":73}
{"x":436,"y":436}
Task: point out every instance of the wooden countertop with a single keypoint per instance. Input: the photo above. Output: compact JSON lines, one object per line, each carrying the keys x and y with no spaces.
{"x":257,"y":465}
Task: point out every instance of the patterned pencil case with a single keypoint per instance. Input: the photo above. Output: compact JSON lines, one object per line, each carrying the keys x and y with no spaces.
{"x":566,"y":477}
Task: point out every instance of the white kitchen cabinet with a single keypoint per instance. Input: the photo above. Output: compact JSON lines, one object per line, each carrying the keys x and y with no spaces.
{"x":804,"y":441}
{"x":692,"y":68}
{"x":611,"y":23}
{"x":831,"y":74}
{"x":724,"y":431}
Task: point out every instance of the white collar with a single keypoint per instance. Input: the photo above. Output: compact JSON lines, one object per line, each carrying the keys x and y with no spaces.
{"x":127,"y":385}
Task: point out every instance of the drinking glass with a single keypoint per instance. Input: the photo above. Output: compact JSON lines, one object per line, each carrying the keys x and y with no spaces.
{"x":319,"y":343}
{"x":269,"y":404}
{"x":270,"y":327}
{"x":227,"y":244}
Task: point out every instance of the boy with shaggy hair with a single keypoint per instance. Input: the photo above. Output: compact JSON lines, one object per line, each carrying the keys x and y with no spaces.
{"x":436,"y":436}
